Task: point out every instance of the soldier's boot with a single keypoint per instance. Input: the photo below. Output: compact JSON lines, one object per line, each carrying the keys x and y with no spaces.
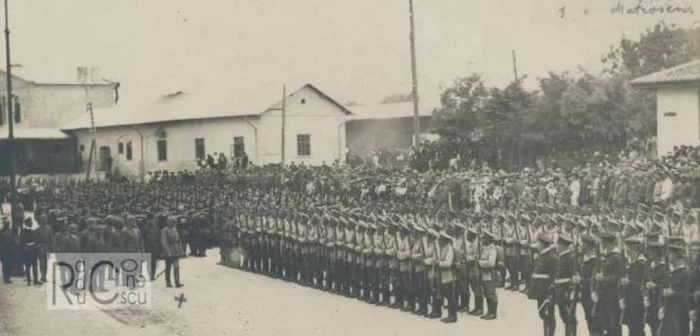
{"x":168,"y":283}
{"x":386,"y":296}
{"x":570,"y":329}
{"x":451,"y":316}
{"x":492,"y":306}
{"x":410,"y":303}
{"x":478,"y":306}
{"x":176,"y":271}
{"x":437,"y":310}
{"x":422,"y":306}
{"x":398,"y":300}
{"x":514,"y":282}
{"x":464,"y":304}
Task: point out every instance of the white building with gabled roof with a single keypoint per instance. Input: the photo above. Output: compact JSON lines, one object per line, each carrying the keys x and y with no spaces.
{"x":174,"y":130}
{"x":677,"y":103}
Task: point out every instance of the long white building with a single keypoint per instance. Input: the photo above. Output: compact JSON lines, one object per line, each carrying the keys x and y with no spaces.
{"x":174,"y":130}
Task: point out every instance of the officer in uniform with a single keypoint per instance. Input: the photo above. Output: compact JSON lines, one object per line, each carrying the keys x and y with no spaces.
{"x":606,"y":295}
{"x":370,"y":290}
{"x":340,"y":250}
{"x":403,"y":255}
{"x":418,"y":283}
{"x":563,"y":283}
{"x":360,"y":277}
{"x":430,"y":260}
{"x":474,"y":271}
{"x":460,"y":246}
{"x":390,"y":246}
{"x":657,"y":280}
{"x":45,"y":242}
{"x":379,"y":250}
{"x":511,"y":241}
{"x":589,"y":246}
{"x":487,"y":263}
{"x":447,"y":276}
{"x":350,"y":283}
{"x":526,"y":238}
{"x":542,"y":282}
{"x":632,"y":286}
{"x":172,"y":252}
{"x":313,"y":241}
{"x":331,"y":271}
{"x":676,"y":296}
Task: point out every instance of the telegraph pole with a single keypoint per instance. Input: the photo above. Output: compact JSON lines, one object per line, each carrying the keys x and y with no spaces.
{"x":515,"y":67}
{"x":11,"y":123}
{"x":284,"y":117}
{"x":416,"y":118}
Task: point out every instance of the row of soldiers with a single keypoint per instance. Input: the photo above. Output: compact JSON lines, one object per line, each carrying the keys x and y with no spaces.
{"x":414,"y":262}
{"x":53,"y":230}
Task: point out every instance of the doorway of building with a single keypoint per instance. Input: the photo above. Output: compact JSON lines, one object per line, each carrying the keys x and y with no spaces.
{"x":105,"y":159}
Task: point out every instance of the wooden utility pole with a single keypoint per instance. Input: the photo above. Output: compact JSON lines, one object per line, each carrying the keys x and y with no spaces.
{"x":284,"y":118}
{"x":11,"y":123}
{"x":416,"y":118}
{"x":515,"y":67}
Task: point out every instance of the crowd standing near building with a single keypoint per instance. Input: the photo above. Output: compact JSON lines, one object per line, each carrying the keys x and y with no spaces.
{"x":617,"y":236}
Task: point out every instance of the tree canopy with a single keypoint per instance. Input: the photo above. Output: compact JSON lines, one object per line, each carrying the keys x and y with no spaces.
{"x":512,"y":126}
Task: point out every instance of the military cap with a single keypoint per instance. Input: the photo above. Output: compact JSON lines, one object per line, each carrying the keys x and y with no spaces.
{"x":459,"y":226}
{"x":634,"y":240}
{"x":679,"y":246}
{"x":545,"y":238}
{"x":526,"y":217}
{"x":655,"y":244}
{"x":418,"y":228}
{"x":444,"y":235}
{"x":606,"y":235}
{"x":564,"y":238}
{"x":433,"y":232}
{"x":588,"y":239}
{"x":472,"y":231}
{"x":488,"y":235}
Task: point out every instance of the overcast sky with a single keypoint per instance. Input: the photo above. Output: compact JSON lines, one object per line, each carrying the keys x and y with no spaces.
{"x":353,"y":49}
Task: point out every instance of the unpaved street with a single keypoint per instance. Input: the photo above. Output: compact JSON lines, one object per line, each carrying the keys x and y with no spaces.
{"x":225,"y":301}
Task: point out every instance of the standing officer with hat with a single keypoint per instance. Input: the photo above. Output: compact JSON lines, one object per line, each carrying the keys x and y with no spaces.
{"x":370,"y":289}
{"x":460,"y":246}
{"x":657,"y":280}
{"x":349,"y":282}
{"x":172,"y":251}
{"x":487,"y":263}
{"x":542,"y":282}
{"x":360,"y":277}
{"x":403,"y":255}
{"x":330,"y":252}
{"x":419,"y":283}
{"x":564,"y":281}
{"x":674,"y":314}
{"x":632,"y":286}
{"x":447,"y":276}
{"x":380,"y":266}
{"x":511,"y":241}
{"x":430,"y":260}
{"x":474,"y":271}
{"x":589,"y":247}
{"x":607,"y":279}
{"x":340,"y":249}
{"x":390,"y":246}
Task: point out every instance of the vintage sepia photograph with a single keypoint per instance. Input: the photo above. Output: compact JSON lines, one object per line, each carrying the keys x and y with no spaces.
{"x":350,"y":167}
